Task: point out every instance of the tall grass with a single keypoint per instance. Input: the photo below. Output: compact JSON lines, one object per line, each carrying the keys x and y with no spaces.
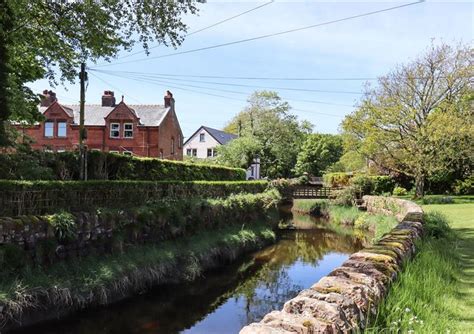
{"x":99,"y":279}
{"x":422,"y":300}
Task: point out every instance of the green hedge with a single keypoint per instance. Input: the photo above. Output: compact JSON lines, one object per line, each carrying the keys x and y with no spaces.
{"x":43,"y":197}
{"x":36,"y":165}
{"x":366,"y":184}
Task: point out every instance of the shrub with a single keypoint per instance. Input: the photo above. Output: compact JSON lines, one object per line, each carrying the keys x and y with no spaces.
{"x":345,"y":196}
{"x":464,"y":187}
{"x":382,"y":184}
{"x":362,"y":184}
{"x":399,"y":191}
{"x":337,"y":180}
{"x":64,"y":225}
{"x":43,"y":197}
{"x":36,"y":165}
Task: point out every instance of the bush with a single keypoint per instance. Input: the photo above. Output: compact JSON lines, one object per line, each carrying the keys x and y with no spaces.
{"x":399,"y":191}
{"x":336,"y":180}
{"x":36,"y":165}
{"x":382,"y":184}
{"x":345,"y":196}
{"x":64,"y":226}
{"x":43,"y":197}
{"x":362,"y":184}
{"x":464,"y":187}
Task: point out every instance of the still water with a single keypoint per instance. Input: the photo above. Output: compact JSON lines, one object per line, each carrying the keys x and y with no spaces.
{"x":224,"y":300}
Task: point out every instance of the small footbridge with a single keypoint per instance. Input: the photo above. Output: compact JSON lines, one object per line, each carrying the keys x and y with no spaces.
{"x":313,"y":191}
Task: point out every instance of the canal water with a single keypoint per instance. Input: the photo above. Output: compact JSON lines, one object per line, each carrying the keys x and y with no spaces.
{"x":226,"y":299}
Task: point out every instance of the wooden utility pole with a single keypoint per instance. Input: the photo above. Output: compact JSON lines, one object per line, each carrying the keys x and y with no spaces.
{"x":82,"y":131}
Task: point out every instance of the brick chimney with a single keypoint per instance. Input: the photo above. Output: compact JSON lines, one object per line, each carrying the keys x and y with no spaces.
{"x":169,"y":101}
{"x":108,"y":99}
{"x":49,"y":97}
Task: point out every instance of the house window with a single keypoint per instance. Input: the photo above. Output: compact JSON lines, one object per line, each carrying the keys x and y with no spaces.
{"x":128,"y":130}
{"x":127,"y":153}
{"x":214,"y":153}
{"x":114,"y":130}
{"x":48,"y":129}
{"x":188,"y":152}
{"x":209,"y":152}
{"x":172,"y":145}
{"x":202,"y":137}
{"x":114,"y":152}
{"x":62,"y":129}
{"x":195,"y":152}
{"x":252,"y":171}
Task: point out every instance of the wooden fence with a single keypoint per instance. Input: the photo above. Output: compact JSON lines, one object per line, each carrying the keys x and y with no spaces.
{"x":313,"y":192}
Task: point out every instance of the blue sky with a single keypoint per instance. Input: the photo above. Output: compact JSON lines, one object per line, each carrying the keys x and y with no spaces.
{"x":363,"y":47}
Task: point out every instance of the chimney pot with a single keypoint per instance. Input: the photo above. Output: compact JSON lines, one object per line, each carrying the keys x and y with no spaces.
{"x":108,"y":99}
{"x":169,"y":101}
{"x":49,"y":97}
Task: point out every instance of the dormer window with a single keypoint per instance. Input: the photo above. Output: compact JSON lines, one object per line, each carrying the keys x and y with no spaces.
{"x":114,"y":130}
{"x":128,"y":130}
{"x":202,"y":137}
{"x":49,"y":129}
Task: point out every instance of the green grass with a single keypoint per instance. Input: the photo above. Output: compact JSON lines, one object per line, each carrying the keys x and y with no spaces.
{"x":98,"y":278}
{"x":435,"y":292}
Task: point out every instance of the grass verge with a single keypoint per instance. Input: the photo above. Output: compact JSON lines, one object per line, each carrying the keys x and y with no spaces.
{"x":104,"y":279}
{"x":435,"y":292}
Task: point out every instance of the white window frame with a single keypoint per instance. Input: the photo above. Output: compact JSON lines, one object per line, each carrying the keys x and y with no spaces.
{"x":202,"y":137}
{"x":129,"y":153}
{"x":113,"y":151}
{"x":112,"y":129}
{"x":125,"y":130}
{"x":65,"y":129}
{"x":46,"y":127}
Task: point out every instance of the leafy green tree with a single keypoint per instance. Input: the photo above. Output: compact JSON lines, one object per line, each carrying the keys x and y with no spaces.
{"x":267,"y":121}
{"x":419,"y":119}
{"x":39,"y":39}
{"x":239,"y":152}
{"x":318,"y":152}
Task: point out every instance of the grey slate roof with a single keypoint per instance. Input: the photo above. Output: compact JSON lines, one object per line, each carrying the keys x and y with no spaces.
{"x":221,"y":136}
{"x":94,"y":114}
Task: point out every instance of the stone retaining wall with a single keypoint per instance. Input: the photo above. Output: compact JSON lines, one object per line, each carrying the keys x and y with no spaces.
{"x":342,"y":301}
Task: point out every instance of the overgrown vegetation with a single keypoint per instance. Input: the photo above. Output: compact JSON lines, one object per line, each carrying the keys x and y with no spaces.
{"x":43,"y":197}
{"x":99,"y":278}
{"x":346,"y":215}
{"x":423,"y":298}
{"x":27,"y":164}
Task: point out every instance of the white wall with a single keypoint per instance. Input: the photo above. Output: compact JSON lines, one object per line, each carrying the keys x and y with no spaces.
{"x":201,"y":147}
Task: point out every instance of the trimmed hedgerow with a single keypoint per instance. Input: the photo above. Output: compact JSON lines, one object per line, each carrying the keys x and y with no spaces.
{"x":43,"y":197}
{"x":35,"y":165}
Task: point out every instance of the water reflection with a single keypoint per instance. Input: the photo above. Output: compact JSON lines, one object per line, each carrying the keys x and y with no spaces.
{"x":226,"y":299}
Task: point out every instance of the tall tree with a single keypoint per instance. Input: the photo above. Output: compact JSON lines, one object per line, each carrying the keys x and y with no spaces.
{"x":49,"y":39}
{"x":279,"y":134}
{"x":419,"y":118}
{"x":318,"y":152}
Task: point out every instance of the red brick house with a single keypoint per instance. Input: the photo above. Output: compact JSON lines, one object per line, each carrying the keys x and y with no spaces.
{"x":140,"y":130}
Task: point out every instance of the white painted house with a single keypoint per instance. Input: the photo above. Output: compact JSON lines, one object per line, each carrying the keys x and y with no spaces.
{"x":202,"y":145}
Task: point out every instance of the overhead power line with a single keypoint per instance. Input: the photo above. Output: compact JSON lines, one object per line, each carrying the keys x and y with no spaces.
{"x":147,"y":79}
{"x":118,"y":89}
{"x":271,"y":35}
{"x":212,"y":94}
{"x":205,"y":28}
{"x":250,"y":78}
{"x":142,"y":74}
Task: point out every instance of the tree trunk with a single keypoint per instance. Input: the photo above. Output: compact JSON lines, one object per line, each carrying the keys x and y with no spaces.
{"x":419,"y":185}
{"x":5,"y":25}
